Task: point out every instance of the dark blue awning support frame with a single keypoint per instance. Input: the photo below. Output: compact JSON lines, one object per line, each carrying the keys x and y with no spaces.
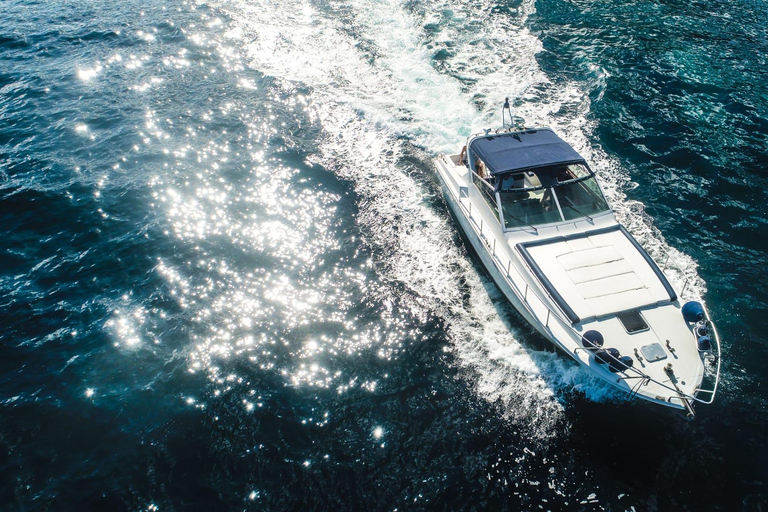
{"x":523,"y":247}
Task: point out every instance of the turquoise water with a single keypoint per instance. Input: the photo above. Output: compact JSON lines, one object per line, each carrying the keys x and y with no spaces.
{"x":229,"y":280}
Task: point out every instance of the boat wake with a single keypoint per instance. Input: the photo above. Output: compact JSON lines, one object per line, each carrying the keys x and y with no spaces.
{"x":390,"y":86}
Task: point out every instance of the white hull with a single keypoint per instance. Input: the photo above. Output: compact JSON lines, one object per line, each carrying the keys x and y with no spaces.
{"x":500,"y":254}
{"x":491,"y":263}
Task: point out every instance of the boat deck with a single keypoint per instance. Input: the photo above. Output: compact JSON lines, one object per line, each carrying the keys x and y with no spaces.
{"x":597,"y":273}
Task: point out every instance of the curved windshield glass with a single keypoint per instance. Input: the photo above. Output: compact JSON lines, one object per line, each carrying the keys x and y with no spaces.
{"x":548,"y":195}
{"x":580,"y":198}
{"x":519,"y":180}
{"x":528,"y":208}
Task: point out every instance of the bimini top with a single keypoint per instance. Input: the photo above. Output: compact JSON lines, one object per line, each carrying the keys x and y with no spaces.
{"x":517,"y":151}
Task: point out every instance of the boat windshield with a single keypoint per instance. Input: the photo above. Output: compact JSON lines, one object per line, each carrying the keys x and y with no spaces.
{"x":580,"y":198}
{"x":548,"y":195}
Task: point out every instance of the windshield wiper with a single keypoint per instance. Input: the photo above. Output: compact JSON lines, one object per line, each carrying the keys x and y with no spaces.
{"x":579,"y":211}
{"x":522,"y":221}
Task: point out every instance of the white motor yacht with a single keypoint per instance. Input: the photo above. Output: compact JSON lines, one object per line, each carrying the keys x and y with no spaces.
{"x":535,"y":214}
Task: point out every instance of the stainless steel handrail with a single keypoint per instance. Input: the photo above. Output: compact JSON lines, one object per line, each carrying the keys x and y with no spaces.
{"x":506,"y":270}
{"x":713,"y":391}
{"x":670,"y":263}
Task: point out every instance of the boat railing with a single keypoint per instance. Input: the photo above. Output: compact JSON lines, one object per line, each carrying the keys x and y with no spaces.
{"x":641,"y":224}
{"x":712,"y":392}
{"x":535,"y":305}
{"x":559,"y":325}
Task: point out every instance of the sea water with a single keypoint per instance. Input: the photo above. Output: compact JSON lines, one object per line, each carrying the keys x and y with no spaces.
{"x":229,"y":280}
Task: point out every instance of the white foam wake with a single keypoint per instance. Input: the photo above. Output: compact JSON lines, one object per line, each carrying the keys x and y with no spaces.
{"x":378,"y":95}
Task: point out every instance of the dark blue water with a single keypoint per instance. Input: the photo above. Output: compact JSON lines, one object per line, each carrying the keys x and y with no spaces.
{"x":228,"y":279}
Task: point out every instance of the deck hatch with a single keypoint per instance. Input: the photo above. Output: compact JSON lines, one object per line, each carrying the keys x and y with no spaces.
{"x":653,"y":352}
{"x":633,"y":322}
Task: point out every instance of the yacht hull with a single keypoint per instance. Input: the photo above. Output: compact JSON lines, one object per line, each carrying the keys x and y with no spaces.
{"x":469,"y":233}
{"x":510,"y":258}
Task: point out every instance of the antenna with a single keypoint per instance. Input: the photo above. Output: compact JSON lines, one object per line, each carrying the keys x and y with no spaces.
{"x":506,"y":110}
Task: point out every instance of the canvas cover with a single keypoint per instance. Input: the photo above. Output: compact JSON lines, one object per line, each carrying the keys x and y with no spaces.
{"x":523,"y":150}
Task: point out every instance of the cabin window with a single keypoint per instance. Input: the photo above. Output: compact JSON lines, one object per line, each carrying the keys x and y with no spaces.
{"x":524,"y":202}
{"x":633,"y":322}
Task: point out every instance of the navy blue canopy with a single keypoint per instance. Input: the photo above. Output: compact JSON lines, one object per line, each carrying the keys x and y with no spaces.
{"x":523,"y":150}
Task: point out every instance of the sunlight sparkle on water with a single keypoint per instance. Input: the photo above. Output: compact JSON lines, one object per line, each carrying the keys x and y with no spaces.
{"x":88,"y":74}
{"x":127,"y":326}
{"x":265,"y":238}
